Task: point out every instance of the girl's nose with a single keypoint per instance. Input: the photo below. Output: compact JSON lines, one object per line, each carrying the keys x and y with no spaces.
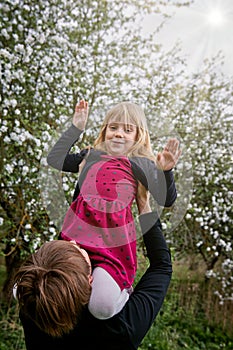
{"x":119,"y":133}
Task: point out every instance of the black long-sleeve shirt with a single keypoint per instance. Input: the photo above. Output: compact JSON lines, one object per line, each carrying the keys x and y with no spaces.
{"x":126,"y":330}
{"x":160,"y":183}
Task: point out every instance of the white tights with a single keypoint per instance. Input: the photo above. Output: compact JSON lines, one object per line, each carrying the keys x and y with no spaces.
{"x":107,"y":299}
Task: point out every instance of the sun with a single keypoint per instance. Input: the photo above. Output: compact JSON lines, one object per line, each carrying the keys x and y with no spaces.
{"x":216,"y":18}
{"x":203,"y":30}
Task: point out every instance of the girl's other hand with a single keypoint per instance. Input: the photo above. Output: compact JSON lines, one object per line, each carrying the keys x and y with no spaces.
{"x":168,"y":158}
{"x":81,"y":114}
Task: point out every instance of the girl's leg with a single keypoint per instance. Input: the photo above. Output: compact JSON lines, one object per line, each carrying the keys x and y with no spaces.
{"x":107,"y":299}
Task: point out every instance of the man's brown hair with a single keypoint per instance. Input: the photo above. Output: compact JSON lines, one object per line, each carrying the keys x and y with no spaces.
{"x":53,"y":286}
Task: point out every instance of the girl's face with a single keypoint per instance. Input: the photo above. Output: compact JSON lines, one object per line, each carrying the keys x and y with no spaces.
{"x":120,"y":137}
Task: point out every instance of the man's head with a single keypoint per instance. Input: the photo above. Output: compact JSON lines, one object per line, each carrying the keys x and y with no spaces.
{"x":53,"y":286}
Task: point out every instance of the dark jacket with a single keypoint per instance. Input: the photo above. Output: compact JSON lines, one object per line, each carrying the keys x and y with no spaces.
{"x":126,"y":330}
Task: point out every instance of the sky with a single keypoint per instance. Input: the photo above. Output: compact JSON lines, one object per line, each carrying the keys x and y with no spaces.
{"x":203,"y":29}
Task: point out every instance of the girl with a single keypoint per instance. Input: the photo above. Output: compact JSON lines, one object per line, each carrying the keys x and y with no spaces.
{"x":100,"y":218}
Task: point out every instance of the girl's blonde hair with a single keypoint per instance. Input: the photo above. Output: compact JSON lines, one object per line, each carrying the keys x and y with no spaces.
{"x":128,"y":113}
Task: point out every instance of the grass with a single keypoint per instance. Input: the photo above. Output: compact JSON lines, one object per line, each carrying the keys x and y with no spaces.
{"x":11,"y":331}
{"x":176,"y":329}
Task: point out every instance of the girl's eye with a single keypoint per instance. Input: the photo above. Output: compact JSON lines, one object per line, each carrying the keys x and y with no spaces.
{"x":128,"y":129}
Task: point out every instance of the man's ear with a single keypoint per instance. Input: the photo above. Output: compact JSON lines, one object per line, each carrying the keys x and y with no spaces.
{"x":90,"y":279}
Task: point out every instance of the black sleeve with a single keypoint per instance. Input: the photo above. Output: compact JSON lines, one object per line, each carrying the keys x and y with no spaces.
{"x":145,"y":302}
{"x":59,"y":156}
{"x":167,"y":188}
{"x":161,"y":184}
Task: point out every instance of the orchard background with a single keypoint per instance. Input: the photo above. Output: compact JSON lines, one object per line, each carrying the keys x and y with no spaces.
{"x":53,"y":53}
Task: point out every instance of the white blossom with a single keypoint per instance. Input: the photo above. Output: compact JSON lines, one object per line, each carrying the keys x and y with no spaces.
{"x":20,"y":48}
{"x":9,"y":168}
{"x":28,"y":226}
{"x":25,"y":170}
{"x":3,"y":128}
{"x":52,"y":230}
{"x":5,"y":34}
{"x":7,"y":139}
{"x":65,"y":187}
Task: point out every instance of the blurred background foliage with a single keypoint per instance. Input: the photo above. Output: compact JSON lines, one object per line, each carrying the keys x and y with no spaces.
{"x":54,"y":53}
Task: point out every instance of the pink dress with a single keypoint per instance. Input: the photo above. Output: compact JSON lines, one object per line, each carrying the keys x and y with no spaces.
{"x":100,"y":220}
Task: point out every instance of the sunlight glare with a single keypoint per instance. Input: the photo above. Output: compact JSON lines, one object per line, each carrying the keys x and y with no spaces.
{"x":216,"y":18}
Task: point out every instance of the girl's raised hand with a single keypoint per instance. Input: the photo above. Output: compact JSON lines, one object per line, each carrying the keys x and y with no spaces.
{"x":80,"y":115}
{"x":168,"y":158}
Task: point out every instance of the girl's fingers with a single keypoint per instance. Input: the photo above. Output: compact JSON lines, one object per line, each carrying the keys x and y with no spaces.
{"x":81,"y":105}
{"x":172,"y":146}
